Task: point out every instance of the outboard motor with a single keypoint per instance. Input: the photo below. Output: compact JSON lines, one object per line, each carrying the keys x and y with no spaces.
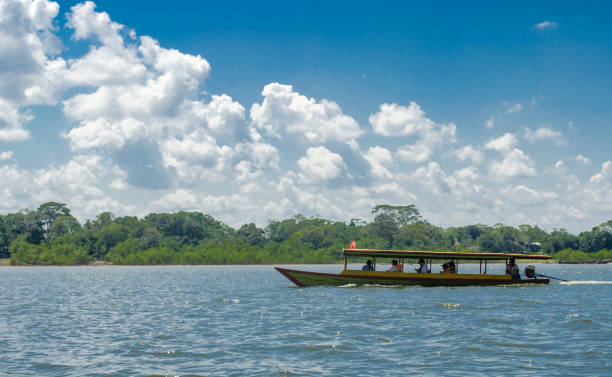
{"x":530,"y":271}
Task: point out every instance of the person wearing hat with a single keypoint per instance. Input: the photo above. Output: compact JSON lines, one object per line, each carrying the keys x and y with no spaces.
{"x":394,"y":266}
{"x":422,"y":267}
{"x":445,"y":269}
{"x":368,"y":266}
{"x":512,"y":269}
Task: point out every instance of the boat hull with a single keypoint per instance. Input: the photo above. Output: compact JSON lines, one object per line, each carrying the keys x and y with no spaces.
{"x":310,"y":279}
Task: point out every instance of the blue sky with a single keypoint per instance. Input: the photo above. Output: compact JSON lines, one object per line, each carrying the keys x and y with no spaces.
{"x":477,"y":112}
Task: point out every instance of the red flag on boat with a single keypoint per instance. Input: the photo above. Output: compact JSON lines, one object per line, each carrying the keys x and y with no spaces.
{"x":352,"y":244}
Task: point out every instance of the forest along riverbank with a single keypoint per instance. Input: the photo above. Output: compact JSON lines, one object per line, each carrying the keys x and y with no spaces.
{"x":52,"y":236}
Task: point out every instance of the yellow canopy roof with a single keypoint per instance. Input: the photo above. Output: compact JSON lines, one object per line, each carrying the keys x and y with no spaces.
{"x":438,"y":254}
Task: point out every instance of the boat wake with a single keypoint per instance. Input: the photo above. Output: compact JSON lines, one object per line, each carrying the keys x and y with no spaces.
{"x":353,"y":285}
{"x":585,"y":282}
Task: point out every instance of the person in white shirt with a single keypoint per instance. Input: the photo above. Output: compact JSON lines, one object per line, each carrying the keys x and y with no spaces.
{"x":422,"y":267}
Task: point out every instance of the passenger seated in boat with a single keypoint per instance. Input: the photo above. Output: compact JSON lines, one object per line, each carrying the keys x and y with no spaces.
{"x":422,"y":267}
{"x":394,"y":266}
{"x":452,"y":268}
{"x":445,"y":269}
{"x":368,"y":266}
{"x":512,"y":269}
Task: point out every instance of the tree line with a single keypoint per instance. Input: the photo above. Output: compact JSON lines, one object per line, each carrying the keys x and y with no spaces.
{"x":50,"y":235}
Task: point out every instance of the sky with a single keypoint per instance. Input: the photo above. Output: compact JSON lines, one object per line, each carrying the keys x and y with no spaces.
{"x":476,"y":112}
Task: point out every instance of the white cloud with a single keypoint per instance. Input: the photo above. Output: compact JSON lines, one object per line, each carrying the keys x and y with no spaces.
{"x":524,"y":195}
{"x":284,"y":111}
{"x":503,"y":143}
{"x":569,"y":183}
{"x":29,"y":73}
{"x":222,"y":115}
{"x":143,"y":138}
{"x":545,"y":25}
{"x":379,"y":159}
{"x":88,"y":23}
{"x":513,"y":108}
{"x":6,"y":155}
{"x":583,"y":160}
{"x":395,"y":120}
{"x":320,"y":164}
{"x":558,"y":168}
{"x":465,"y":183}
{"x":432,"y":177}
{"x":604,"y":175}
{"x":515,"y":164}
{"x":416,"y":153}
{"x":179,"y":199}
{"x":100,"y":133}
{"x":468,"y":152}
{"x":543,"y":133}
{"x":80,"y":183}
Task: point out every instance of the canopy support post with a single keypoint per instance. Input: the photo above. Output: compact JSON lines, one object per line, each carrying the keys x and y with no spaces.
{"x":345,"y":261}
{"x":485,"y":267}
{"x":481,"y":266}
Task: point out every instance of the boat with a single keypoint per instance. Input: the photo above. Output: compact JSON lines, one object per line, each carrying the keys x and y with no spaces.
{"x":431,"y":279}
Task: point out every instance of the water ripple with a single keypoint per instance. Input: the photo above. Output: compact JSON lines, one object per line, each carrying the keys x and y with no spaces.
{"x":234,"y":321}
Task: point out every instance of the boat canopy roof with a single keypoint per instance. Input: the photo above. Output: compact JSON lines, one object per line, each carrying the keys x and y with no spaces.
{"x":438,"y":254}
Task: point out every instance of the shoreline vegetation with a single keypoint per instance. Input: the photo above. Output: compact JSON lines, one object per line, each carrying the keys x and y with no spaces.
{"x":50,"y":235}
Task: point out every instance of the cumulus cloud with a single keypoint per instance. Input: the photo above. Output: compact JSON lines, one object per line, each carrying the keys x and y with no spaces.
{"x":6,"y":155}
{"x":515,"y":164}
{"x":30,"y":73}
{"x":144,"y":137}
{"x":583,"y":160}
{"x":145,"y":101}
{"x":503,"y":143}
{"x":465,"y":183}
{"x":468,"y":152}
{"x":545,"y":25}
{"x":394,"y":120}
{"x":543,"y":133}
{"x":524,"y":195}
{"x":433,"y":177}
{"x":284,"y":111}
{"x":378,"y":158}
{"x":604,"y":175}
{"x":320,"y":164}
{"x":419,"y":152}
{"x":81,"y":183}
{"x":558,"y":168}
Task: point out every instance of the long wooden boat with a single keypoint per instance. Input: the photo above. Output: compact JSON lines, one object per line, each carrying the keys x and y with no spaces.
{"x":348,"y":276}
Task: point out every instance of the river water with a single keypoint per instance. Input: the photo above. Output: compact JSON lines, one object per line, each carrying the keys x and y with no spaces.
{"x":250,"y":320}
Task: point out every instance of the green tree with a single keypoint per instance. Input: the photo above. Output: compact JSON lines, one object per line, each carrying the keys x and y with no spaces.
{"x":49,"y":212}
{"x":251,"y":234}
{"x":107,"y":237}
{"x":64,"y":225}
{"x":389,"y":219}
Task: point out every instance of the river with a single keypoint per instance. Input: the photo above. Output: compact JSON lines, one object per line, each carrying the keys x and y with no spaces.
{"x":250,"y":320}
